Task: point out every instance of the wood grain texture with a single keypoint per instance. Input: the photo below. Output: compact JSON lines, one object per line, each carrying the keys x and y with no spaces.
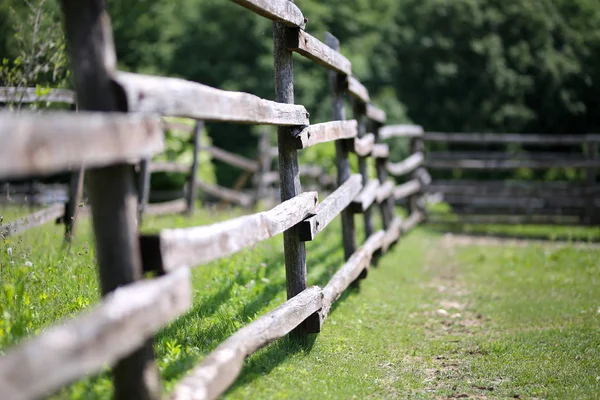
{"x":406,"y":166}
{"x":329,"y":208}
{"x":407,"y":189}
{"x":433,"y":163}
{"x":44,"y":144}
{"x":392,"y":234}
{"x":375,"y":114}
{"x":283,"y":11}
{"x":350,"y":271}
{"x":366,"y":197}
{"x":38,"y":218}
{"x":358,"y":90}
{"x":384,"y":191}
{"x":167,"y":207}
{"x":413,"y":220}
{"x":409,"y":131}
{"x":221,"y":367}
{"x":28,"y":95}
{"x":232,"y":158}
{"x":317,"y":51}
{"x":181,"y":98}
{"x":189,"y":247}
{"x":226,"y":194}
{"x":506,"y":138}
{"x":326,"y":132}
{"x":85,"y":344}
{"x":380,"y":151}
{"x":165,"y":166}
{"x":364,"y":146}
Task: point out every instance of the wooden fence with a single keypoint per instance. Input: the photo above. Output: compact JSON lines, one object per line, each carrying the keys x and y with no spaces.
{"x":117,"y":125}
{"x":518,"y":201}
{"x":53,"y":212}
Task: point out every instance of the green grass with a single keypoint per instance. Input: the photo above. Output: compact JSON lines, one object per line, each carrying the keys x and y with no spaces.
{"x":433,"y":320}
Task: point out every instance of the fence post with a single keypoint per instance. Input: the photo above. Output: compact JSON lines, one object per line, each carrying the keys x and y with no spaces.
{"x":112,"y":191}
{"x":75,"y":194}
{"x":143,"y":187}
{"x":416,"y":145}
{"x":386,"y":207}
{"x":337,"y":87}
{"x":590,"y":173}
{"x":264,"y":165}
{"x":289,"y":175}
{"x":192,"y":189}
{"x":358,"y":110}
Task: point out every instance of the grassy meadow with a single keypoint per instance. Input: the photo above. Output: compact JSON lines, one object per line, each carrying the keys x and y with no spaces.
{"x":438,"y":318}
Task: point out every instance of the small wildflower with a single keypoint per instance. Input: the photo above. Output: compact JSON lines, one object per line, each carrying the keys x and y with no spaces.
{"x":28,"y":263}
{"x":9,"y":251}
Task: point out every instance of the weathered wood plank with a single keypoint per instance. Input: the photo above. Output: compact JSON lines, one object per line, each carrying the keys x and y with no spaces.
{"x":143,"y":182}
{"x":366,"y":197}
{"x":188,"y":247}
{"x":406,"y":166}
{"x":333,"y":205}
{"x":84,"y":345}
{"x":223,"y":193}
{"x":408,"y":131}
{"x":384,"y":191}
{"x":38,"y":218}
{"x":364,"y":146}
{"x":407,"y":189}
{"x":413,"y":220}
{"x":44,"y":144}
{"x":220,"y":368}
{"x":350,"y":271}
{"x":506,"y":138}
{"x":283,"y":11}
{"x":358,"y":90}
{"x":317,"y":51}
{"x":28,"y":95}
{"x":166,"y":166}
{"x":380,"y":151}
{"x":508,"y":164}
{"x":181,"y":98}
{"x":167,"y":207}
{"x":392,"y":234}
{"x":326,"y":132}
{"x":233,"y":159}
{"x":375,"y":114}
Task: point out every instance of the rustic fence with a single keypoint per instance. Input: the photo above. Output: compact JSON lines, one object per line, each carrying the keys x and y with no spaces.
{"x":117,"y":125}
{"x":511,"y":201}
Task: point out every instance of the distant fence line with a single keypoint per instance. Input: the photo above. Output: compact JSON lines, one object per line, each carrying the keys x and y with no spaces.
{"x":117,"y":125}
{"x":518,"y":202}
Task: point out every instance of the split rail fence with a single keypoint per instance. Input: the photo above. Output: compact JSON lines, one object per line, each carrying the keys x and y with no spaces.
{"x":117,"y":125}
{"x":510,"y":201}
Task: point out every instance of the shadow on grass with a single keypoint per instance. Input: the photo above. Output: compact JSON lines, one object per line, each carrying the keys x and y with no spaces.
{"x":206,"y":339}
